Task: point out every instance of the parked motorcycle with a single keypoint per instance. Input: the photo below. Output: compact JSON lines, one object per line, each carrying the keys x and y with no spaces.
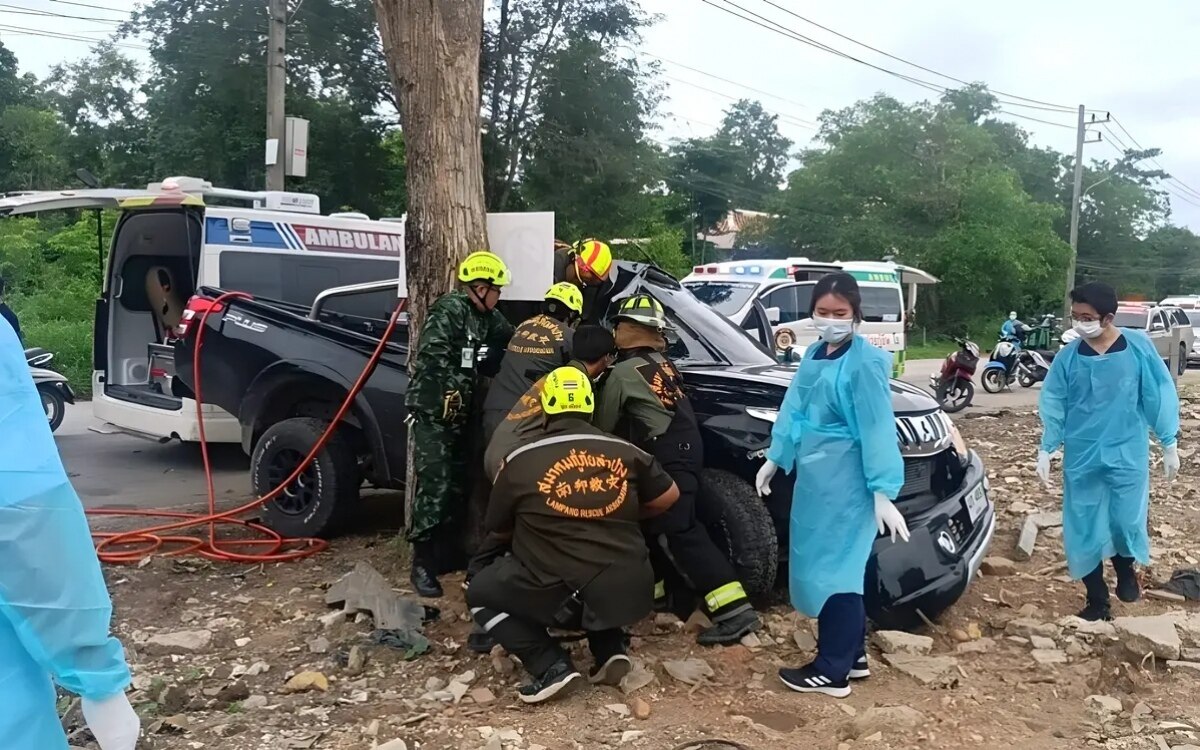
{"x":952,"y":386}
{"x":53,"y":388}
{"x":1001,"y":369}
{"x":1032,"y":367}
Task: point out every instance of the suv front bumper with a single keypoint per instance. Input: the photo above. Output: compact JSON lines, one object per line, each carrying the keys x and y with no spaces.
{"x":932,"y":570}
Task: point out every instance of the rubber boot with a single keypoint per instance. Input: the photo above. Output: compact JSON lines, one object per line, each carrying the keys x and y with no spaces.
{"x":1128,"y":589}
{"x":424,"y":566}
{"x":729,"y":629}
{"x":1098,"y":606}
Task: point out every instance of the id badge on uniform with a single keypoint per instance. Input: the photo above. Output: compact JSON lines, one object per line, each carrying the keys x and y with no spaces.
{"x":468,"y":358}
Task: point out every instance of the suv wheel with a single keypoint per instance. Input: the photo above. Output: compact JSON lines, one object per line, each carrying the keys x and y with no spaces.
{"x":1182,"y":368}
{"x":318,"y":501}
{"x":742,"y":528}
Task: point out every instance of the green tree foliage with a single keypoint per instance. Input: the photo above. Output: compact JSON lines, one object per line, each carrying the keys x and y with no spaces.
{"x":588,"y":159}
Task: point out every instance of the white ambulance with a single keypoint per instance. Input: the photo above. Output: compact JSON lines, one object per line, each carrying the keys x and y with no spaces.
{"x":175,"y":237}
{"x":784,"y":289}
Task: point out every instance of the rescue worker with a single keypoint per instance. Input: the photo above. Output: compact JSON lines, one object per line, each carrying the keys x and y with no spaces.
{"x":539,"y":345}
{"x":587,"y":265}
{"x":54,"y":607}
{"x":643,"y":401}
{"x":836,"y":432}
{"x":1104,"y":392}
{"x":570,"y":501}
{"x":439,"y":401}
{"x":1008,"y":329}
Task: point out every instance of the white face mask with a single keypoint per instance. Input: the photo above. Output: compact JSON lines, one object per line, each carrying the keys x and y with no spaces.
{"x":1012,"y":316}
{"x":833,"y":330}
{"x":1089,"y":329}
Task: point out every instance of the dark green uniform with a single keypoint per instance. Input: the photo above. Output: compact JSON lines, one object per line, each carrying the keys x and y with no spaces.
{"x":439,"y":401}
{"x":539,"y":345}
{"x":572,"y":501}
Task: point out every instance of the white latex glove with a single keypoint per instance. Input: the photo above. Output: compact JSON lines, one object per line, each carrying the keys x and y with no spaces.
{"x":1043,"y":467}
{"x":1171,"y":462}
{"x":888,"y":518}
{"x":112,"y":721}
{"x":762,"y":481}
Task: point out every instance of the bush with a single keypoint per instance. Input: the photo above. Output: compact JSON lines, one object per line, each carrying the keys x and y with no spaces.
{"x":71,"y":342}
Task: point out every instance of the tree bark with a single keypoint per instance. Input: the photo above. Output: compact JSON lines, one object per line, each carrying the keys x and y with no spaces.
{"x":432,"y":49}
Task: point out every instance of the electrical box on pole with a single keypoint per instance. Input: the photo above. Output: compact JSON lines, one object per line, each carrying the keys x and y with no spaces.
{"x":295,"y":162}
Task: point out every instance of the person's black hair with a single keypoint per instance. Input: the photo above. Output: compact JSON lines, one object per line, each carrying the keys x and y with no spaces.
{"x":592,"y":343}
{"x":843,"y":285}
{"x":1099,"y":295}
{"x":557,"y":310}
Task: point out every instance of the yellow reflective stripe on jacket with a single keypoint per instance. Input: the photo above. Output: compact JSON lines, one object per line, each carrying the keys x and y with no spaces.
{"x":660,"y":589}
{"x":727,"y":594}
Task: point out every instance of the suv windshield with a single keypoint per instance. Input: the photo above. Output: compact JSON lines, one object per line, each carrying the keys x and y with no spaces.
{"x":702,"y":336}
{"x":726,"y":297}
{"x":1135,"y":319}
{"x":1193,"y":317}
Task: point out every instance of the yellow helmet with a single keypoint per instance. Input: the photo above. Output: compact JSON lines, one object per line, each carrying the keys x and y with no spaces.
{"x":567,"y":390}
{"x":568,"y":294}
{"x":593,"y":256}
{"x":643,"y":309}
{"x":484,"y":266}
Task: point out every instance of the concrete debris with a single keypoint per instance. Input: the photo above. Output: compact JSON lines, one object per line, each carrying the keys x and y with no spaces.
{"x":981,"y":646}
{"x":1187,"y":667}
{"x":1024,"y":626}
{"x":319,"y":645}
{"x":393,"y":745}
{"x":640,"y":709}
{"x":1166,"y":596}
{"x":332,"y":618}
{"x":502,"y":664}
{"x":1042,"y":642}
{"x":934,"y":671}
{"x":457,"y":690}
{"x":356,"y":660}
{"x":1029,"y":533}
{"x":750,"y":640}
{"x":898,"y":719}
{"x":1154,"y":634}
{"x":638,"y":678}
{"x":620,"y":709}
{"x":255,"y":701}
{"x":1138,"y":717}
{"x":998,"y":566}
{"x":434,"y":684}
{"x":364,"y":589}
{"x":179,"y":642}
{"x":631,"y":735}
{"x":241,"y":642}
{"x":482,"y":696}
{"x":899,"y":642}
{"x":306,"y":681}
{"x":805,"y":640}
{"x":1088,"y":627}
{"x":1047,"y":657}
{"x":257,"y":668}
{"x":689,"y":671}
{"x":1103,"y":704}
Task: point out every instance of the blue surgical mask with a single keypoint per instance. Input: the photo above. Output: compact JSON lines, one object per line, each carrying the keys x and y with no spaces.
{"x":833,"y":330}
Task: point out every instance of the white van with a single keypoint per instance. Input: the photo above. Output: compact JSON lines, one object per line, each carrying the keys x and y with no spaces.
{"x":168,"y":242}
{"x":784,"y":289}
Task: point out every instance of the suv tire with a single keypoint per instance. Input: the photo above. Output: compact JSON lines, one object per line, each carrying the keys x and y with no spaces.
{"x":742,"y":528}
{"x":1182,"y":368}
{"x":318,"y":502}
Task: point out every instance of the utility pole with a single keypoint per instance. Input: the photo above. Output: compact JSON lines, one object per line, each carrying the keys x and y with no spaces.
{"x":1077,"y":200}
{"x":276,"y":85}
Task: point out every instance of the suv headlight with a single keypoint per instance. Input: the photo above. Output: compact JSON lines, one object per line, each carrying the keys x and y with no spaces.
{"x":960,"y":445}
{"x":767,"y":415}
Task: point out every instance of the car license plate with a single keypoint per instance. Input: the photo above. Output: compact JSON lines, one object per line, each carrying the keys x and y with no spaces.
{"x":976,"y":502}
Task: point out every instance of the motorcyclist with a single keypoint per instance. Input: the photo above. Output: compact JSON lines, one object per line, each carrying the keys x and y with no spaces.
{"x":642,"y":400}
{"x":538,"y":345}
{"x":439,"y":401}
{"x":570,"y":501}
{"x":1008,"y":329}
{"x":54,"y":608}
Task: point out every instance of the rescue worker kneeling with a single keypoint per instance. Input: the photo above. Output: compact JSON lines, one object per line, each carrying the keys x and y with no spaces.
{"x":643,"y":401}
{"x":571,"y":501}
{"x":539,"y":345}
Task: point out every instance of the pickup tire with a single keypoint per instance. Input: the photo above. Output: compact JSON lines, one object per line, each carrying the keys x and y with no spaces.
{"x":742,"y":528}
{"x":319,"y":501}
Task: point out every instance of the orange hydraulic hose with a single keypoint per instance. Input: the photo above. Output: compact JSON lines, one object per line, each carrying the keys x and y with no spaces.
{"x":138,"y":544}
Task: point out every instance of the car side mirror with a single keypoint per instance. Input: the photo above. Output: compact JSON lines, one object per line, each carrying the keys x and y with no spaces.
{"x":773,"y":315}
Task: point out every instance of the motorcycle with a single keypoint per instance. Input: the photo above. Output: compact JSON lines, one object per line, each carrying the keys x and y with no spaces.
{"x":952,"y":386}
{"x":1001,"y":369}
{"x":1032,"y":367}
{"x":53,"y":388}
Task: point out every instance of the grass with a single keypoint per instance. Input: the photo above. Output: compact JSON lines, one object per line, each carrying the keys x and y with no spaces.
{"x":932,"y":349}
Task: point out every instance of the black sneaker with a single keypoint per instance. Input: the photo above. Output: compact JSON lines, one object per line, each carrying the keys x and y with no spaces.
{"x":560,"y":679}
{"x":809,"y":680}
{"x":730,"y":630}
{"x":480,"y":641}
{"x":860,"y":670}
{"x":612,"y":671}
{"x":1128,"y":589}
{"x":1095,"y":611}
{"x":424,"y":582}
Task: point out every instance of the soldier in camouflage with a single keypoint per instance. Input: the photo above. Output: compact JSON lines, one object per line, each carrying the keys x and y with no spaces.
{"x":439,"y":401}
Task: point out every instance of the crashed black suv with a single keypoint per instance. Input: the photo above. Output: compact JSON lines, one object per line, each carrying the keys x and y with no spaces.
{"x":284,"y":370}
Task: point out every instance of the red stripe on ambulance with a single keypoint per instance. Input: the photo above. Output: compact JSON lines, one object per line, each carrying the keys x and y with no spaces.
{"x":349,"y":241}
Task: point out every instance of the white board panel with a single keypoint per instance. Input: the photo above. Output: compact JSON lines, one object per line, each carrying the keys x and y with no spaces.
{"x":526,"y":243}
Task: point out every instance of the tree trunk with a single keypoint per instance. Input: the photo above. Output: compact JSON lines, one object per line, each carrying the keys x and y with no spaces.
{"x":432,"y":49}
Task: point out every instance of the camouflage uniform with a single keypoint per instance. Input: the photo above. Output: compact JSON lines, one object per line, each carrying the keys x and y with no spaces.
{"x":439,"y":401}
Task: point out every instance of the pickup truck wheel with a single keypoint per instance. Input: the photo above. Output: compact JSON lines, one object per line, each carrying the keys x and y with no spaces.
{"x":318,"y":501}
{"x":742,"y":528}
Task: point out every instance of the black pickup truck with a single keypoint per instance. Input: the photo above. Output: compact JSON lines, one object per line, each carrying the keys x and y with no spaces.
{"x":283,"y":370}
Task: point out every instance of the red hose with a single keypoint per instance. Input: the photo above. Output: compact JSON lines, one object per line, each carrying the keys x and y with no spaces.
{"x":141,"y":543}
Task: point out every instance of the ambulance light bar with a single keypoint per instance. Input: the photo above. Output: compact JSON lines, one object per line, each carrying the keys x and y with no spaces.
{"x":272,"y":200}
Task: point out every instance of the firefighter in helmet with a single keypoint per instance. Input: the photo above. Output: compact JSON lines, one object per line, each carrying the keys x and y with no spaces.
{"x":643,"y":401}
{"x":439,"y":401}
{"x":588,"y":265}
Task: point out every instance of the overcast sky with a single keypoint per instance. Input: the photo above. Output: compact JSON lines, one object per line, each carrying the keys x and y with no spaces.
{"x":1138,"y":61}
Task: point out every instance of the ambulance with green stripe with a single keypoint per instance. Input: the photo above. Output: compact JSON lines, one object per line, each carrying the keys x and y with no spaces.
{"x":743,"y":290}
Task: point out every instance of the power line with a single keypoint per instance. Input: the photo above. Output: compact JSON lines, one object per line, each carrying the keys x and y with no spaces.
{"x":1155,"y":161}
{"x":18,"y":10}
{"x":108,"y":8}
{"x":1051,"y":106}
{"x":1036,"y":119}
{"x":24,"y":30}
{"x":791,"y":119}
{"x":719,"y":78}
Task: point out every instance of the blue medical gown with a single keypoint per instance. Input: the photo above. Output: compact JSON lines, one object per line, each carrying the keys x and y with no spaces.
{"x":1100,"y":409}
{"x":836,"y":431}
{"x":54,"y":607}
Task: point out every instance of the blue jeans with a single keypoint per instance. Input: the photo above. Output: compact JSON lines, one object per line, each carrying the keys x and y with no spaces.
{"x":842,"y":637}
